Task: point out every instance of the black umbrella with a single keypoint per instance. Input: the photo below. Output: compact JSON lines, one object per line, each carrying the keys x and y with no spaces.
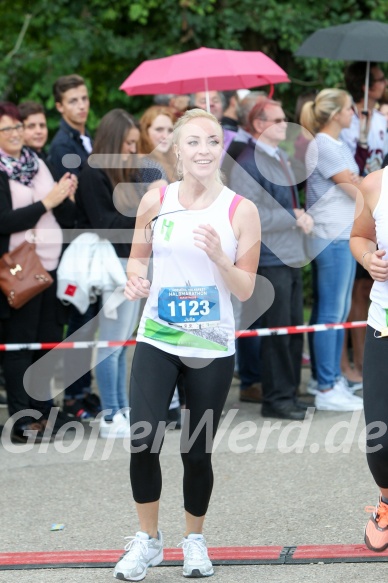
{"x":365,"y":40}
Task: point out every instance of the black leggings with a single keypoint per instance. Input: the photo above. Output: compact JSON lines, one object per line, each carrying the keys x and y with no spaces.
{"x":153,"y":379}
{"x":375,"y":370}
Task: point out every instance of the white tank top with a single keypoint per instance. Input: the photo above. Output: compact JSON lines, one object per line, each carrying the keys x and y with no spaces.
{"x":189,"y":310}
{"x":379,"y":292}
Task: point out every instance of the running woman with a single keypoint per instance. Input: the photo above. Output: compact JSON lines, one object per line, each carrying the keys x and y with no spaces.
{"x":369,"y":245}
{"x":205,"y":242}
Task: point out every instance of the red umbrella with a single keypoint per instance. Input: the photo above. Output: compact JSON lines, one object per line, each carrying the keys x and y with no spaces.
{"x":204,"y":70}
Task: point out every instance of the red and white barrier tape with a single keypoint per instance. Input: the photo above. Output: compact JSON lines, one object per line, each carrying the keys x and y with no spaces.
{"x":299,"y":329}
{"x":240,"y":334}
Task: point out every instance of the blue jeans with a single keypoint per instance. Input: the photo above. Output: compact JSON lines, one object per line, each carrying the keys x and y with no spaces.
{"x":111,"y":362}
{"x":313,"y":319}
{"x":336,"y":269}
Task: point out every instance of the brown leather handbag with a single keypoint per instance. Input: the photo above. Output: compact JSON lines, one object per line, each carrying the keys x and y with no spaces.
{"x":22,"y":276}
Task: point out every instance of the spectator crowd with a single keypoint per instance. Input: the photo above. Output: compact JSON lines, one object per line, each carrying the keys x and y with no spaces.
{"x":78,"y":199}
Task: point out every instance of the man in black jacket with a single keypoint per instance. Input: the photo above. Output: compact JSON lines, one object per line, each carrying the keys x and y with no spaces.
{"x":72,"y":144}
{"x":69,"y":151}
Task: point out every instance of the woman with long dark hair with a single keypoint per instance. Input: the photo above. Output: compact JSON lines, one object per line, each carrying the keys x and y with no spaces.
{"x":110,"y":188}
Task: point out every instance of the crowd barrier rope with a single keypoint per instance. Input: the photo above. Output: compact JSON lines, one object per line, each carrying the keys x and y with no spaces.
{"x":281,"y":331}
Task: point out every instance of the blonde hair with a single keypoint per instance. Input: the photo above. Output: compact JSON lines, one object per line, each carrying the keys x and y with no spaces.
{"x":189,"y":116}
{"x":316,"y":114}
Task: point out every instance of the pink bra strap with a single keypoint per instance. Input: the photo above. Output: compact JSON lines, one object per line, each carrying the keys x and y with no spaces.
{"x":162,"y":193}
{"x":233,"y":205}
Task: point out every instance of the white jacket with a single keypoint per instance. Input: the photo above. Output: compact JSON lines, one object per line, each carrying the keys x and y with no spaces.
{"x":90,"y":268}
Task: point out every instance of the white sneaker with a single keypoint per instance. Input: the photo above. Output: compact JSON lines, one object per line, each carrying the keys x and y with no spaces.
{"x":351,"y":386}
{"x":337,"y":399}
{"x":344,"y":387}
{"x":118,"y":427}
{"x":312,"y":387}
{"x":141,"y":552}
{"x":196,"y":561}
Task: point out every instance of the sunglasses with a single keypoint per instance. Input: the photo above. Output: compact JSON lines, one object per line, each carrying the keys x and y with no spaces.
{"x":276,"y":120}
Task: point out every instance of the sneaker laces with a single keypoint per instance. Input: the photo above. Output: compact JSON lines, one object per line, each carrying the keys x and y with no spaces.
{"x":194,"y":548}
{"x":380,"y":513}
{"x":134,"y":544}
{"x":343,"y":388}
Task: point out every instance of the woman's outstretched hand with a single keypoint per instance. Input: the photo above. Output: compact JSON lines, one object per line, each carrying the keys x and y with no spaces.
{"x":137,"y":288}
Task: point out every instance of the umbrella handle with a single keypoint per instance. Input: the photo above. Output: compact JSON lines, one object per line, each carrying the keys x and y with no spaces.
{"x":367,"y":72}
{"x":271,"y":91}
{"x":364,"y":126}
{"x":207,"y":96}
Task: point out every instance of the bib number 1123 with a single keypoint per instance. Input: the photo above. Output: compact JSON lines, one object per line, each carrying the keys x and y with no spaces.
{"x":191,"y":308}
{"x":185,"y":305}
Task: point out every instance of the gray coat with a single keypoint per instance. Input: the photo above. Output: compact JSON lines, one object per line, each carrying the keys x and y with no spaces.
{"x":262,"y":179}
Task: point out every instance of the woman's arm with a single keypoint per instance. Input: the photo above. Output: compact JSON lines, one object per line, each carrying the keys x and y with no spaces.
{"x":363,"y":236}
{"x":334,"y":163}
{"x":239,"y":277}
{"x":348,"y":181}
{"x":137,"y":285}
{"x":24,"y":218}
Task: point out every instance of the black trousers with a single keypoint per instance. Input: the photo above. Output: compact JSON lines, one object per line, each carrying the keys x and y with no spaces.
{"x":37,"y":321}
{"x":77,"y":360}
{"x":281,"y":356}
{"x":153,"y":379}
{"x":375,"y":369}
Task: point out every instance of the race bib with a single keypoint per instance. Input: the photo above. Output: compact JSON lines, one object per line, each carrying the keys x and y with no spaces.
{"x":189,"y":307}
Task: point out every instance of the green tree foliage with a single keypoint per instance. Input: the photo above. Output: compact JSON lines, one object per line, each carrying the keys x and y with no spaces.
{"x":104,"y":41}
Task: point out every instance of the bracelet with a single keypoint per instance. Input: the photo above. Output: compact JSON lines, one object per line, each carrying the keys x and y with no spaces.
{"x":362,"y":258}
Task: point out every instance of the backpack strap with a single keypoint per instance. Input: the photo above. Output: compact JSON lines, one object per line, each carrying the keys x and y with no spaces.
{"x":233,"y":206}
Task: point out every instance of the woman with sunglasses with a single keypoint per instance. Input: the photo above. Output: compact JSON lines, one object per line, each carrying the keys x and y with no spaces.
{"x":110,"y":188}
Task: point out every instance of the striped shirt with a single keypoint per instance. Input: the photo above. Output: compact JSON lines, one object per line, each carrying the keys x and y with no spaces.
{"x":334,"y":214}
